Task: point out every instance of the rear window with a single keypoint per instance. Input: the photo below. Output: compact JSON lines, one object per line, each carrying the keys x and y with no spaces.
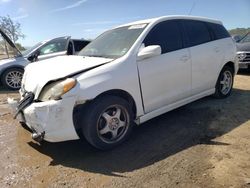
{"x":197,"y":32}
{"x":218,"y":30}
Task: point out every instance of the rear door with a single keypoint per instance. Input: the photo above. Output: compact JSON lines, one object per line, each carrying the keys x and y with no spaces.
{"x":166,"y":78}
{"x":205,"y":54}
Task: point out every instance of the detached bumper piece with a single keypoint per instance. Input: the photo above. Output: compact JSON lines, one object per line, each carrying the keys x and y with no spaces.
{"x":38,"y":136}
{"x":25,"y":102}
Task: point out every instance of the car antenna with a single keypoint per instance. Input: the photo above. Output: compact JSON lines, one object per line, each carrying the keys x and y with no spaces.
{"x":192,"y":8}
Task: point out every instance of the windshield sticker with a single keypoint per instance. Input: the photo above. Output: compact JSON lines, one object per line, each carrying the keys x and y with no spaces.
{"x":138,"y":26}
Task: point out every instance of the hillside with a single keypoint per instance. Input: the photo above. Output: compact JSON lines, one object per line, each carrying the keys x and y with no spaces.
{"x":239,"y":31}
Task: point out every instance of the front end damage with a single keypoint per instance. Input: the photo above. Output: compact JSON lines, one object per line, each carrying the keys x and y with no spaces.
{"x":50,"y":120}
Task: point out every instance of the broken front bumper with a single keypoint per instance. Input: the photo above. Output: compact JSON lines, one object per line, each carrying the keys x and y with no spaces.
{"x":50,"y":120}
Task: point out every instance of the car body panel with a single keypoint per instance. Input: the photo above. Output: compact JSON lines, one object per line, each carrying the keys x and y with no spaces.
{"x":165,"y":82}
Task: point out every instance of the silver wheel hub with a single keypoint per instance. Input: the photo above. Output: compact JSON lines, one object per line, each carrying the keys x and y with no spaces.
{"x":13,"y":79}
{"x":226,"y":82}
{"x":113,"y":124}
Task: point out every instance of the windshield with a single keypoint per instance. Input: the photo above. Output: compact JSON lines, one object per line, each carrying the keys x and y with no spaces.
{"x":28,"y":51}
{"x":246,"y":38}
{"x":114,"y":43}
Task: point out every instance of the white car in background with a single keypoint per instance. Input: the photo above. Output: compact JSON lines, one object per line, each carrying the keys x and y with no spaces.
{"x":12,"y":61}
{"x":128,"y":75}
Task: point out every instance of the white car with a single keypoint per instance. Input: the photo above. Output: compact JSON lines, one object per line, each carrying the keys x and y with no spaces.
{"x":12,"y":61}
{"x":126,"y":76}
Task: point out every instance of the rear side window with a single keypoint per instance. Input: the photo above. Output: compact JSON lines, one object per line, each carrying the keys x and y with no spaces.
{"x":167,"y":34}
{"x":218,"y":30}
{"x":80,"y":44}
{"x":197,"y":32}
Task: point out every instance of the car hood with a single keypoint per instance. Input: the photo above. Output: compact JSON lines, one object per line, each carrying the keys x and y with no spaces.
{"x":39,"y":73}
{"x":243,"y":46}
{"x":10,"y":42}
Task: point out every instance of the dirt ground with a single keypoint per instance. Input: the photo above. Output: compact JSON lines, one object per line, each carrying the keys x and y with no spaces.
{"x":203,"y":144}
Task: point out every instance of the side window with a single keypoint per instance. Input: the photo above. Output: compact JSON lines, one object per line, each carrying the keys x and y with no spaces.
{"x":167,"y":34}
{"x":6,"y":51}
{"x":56,"y":45}
{"x":79,"y":45}
{"x":197,"y":32}
{"x":219,"y":31}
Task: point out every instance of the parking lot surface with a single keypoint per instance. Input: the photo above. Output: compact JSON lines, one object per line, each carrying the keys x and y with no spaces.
{"x":203,"y":144}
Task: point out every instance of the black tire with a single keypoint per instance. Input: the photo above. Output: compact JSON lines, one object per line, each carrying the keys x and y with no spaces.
{"x":13,"y":83}
{"x":219,"y":91}
{"x":95,"y":127}
{"x":248,"y":68}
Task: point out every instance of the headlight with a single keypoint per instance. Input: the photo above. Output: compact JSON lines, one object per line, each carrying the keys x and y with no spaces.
{"x":242,"y":56}
{"x":55,"y":90}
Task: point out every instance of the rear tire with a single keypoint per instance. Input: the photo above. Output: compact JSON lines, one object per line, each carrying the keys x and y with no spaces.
{"x":248,"y":69}
{"x":12,"y":78}
{"x":107,"y":122}
{"x":224,"y":83}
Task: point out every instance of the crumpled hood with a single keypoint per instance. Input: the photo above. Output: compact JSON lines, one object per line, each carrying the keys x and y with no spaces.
{"x":39,"y":73}
{"x":243,"y":46}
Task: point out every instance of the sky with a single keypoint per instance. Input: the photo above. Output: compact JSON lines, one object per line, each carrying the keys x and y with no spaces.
{"x":46,"y":19}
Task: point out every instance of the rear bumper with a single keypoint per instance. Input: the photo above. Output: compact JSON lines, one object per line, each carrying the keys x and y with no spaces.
{"x":51,"y":119}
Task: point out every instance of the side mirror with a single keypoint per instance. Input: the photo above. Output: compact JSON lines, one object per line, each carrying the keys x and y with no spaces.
{"x":148,"y":52}
{"x":34,"y":56}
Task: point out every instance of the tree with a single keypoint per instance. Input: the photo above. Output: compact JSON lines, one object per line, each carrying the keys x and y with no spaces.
{"x":11,"y":28}
{"x":20,"y":47}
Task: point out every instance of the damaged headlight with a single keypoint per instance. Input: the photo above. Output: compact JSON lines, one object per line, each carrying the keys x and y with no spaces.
{"x":55,"y":90}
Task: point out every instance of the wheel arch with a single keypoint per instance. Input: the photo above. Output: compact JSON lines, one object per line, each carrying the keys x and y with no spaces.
{"x":231,"y":65}
{"x":10,"y":67}
{"x":79,"y":109}
{"x":123,"y":94}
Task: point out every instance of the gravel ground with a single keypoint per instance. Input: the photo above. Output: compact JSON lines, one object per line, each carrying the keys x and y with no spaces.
{"x":203,"y":144}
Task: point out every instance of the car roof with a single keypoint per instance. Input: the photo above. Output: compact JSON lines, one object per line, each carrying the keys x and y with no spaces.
{"x":170,"y":17}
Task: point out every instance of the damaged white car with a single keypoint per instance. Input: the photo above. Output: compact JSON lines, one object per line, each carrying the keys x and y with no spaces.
{"x":128,"y":75}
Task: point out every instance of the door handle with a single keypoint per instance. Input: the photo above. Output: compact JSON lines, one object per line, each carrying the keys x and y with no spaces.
{"x":184,"y":58}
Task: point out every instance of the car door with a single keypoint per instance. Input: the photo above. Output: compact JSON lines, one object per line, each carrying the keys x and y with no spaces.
{"x":53,"y":48}
{"x":166,"y":78}
{"x":205,"y":54}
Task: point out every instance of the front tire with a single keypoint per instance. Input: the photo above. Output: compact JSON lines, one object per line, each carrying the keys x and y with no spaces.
{"x":107,"y":122}
{"x":224,"y":83}
{"x":12,"y":78}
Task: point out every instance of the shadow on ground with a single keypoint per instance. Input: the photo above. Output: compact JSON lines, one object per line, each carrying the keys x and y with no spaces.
{"x":159,"y":138}
{"x":244,"y":72}
{"x":6,"y":91}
